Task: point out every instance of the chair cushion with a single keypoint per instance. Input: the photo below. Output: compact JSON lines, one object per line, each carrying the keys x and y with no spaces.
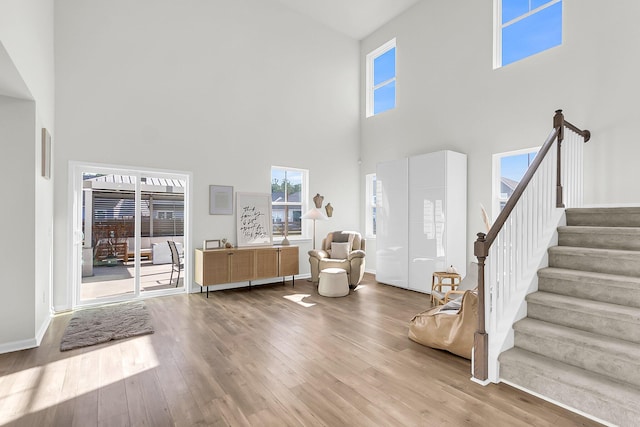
{"x":340,"y":250}
{"x":339,"y":237}
{"x":342,"y":236}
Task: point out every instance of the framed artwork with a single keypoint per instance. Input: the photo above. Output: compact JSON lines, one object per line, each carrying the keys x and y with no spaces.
{"x":253,"y":219}
{"x":220,"y":200}
{"x":46,"y":154}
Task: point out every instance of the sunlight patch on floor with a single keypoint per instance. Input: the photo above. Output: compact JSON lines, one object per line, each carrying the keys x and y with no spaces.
{"x":40,"y":387}
{"x":297,"y":298}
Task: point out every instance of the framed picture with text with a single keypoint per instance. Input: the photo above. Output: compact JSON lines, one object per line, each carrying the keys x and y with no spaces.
{"x":253,"y":219}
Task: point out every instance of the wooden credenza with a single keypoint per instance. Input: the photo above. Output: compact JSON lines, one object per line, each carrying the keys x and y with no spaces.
{"x":220,"y":266}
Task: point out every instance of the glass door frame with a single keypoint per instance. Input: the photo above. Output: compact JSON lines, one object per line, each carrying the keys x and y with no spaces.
{"x":76,"y":171}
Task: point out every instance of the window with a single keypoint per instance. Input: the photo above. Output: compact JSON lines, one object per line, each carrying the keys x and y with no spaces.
{"x":526,"y":27}
{"x":370,"y":205}
{"x":381,"y":79}
{"x":509,"y":168}
{"x":288,"y":190}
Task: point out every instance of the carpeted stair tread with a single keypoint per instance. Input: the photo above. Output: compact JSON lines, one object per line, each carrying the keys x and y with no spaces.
{"x":602,"y":354}
{"x":611,"y":261}
{"x":580,"y":342}
{"x":590,"y":392}
{"x":609,"y":288}
{"x":618,"y":321}
{"x":605,"y":217}
{"x":626,"y":238}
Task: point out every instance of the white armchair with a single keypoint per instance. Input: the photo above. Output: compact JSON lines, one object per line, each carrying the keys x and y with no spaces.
{"x":340,"y":249}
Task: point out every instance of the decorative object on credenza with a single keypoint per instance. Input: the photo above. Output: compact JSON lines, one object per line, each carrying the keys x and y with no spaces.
{"x":329,"y":210}
{"x":317,"y":200}
{"x":211,"y":244}
{"x":285,"y":241}
{"x":46,"y":154}
{"x":314,"y":214}
{"x":226,"y":244}
{"x":253,"y":219}
{"x":220,"y":200}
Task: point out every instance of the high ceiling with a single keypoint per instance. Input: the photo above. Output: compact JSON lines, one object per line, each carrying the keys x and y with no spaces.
{"x":355,"y":18}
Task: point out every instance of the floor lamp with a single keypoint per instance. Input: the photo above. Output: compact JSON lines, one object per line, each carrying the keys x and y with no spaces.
{"x":314,"y":214}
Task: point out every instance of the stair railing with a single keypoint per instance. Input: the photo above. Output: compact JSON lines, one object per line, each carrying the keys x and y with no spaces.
{"x":517,"y":241}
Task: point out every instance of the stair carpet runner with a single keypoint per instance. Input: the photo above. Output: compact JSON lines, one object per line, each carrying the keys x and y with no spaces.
{"x":580,"y":342}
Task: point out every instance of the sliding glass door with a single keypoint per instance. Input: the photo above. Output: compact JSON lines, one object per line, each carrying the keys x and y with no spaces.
{"x":124,"y":220}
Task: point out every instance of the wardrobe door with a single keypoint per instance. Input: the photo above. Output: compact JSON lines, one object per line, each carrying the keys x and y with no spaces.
{"x":456,"y":229}
{"x":392,"y":226}
{"x":427,"y":219}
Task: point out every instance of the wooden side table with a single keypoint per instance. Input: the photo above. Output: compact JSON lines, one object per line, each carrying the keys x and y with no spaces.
{"x":437,"y":281}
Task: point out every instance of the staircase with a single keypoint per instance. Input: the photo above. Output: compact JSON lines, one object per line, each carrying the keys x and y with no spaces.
{"x":580,"y":344}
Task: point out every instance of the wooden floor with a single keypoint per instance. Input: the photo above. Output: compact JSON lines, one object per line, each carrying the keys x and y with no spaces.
{"x":272,"y":356}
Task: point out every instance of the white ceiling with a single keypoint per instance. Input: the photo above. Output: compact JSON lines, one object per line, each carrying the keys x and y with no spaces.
{"x":355,"y":18}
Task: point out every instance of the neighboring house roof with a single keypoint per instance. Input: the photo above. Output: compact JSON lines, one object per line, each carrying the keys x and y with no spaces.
{"x":508,"y":185}
{"x":278,"y":196}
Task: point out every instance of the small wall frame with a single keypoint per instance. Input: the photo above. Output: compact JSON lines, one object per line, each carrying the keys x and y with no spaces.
{"x":220,"y":200}
{"x":46,"y":154}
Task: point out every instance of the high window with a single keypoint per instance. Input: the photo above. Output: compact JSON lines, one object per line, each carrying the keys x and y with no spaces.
{"x":526,"y":27}
{"x":370,"y":206}
{"x":288,"y":190}
{"x":381,"y":79}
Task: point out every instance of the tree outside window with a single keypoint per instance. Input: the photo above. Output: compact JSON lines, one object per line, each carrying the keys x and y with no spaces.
{"x":288,"y":190}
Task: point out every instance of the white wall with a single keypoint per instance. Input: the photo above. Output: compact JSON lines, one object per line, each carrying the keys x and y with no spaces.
{"x":223,"y":89}
{"x":449,"y":97}
{"x":17,"y":320}
{"x":26,"y":72}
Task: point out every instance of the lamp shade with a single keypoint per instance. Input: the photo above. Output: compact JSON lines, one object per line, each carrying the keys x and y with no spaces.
{"x":315,"y":214}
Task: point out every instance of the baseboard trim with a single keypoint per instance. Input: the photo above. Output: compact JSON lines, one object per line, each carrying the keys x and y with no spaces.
{"x":43,"y":329}
{"x":18,"y":345}
{"x":10,"y":347}
{"x":481,"y":382}
{"x":562,"y":405}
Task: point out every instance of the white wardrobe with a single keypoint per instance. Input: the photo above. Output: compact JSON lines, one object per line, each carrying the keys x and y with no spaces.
{"x":421,"y":218}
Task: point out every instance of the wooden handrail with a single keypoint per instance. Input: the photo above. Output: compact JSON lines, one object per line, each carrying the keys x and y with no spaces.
{"x":517,"y":193}
{"x":583,"y":133}
{"x":483,"y":243}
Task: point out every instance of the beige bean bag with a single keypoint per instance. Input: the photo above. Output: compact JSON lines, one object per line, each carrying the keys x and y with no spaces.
{"x":448,"y":327}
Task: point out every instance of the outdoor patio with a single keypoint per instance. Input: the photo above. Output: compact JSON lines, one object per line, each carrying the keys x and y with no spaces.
{"x":118,"y":280}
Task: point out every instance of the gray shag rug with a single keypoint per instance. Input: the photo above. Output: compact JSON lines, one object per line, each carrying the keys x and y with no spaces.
{"x":99,"y":325}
